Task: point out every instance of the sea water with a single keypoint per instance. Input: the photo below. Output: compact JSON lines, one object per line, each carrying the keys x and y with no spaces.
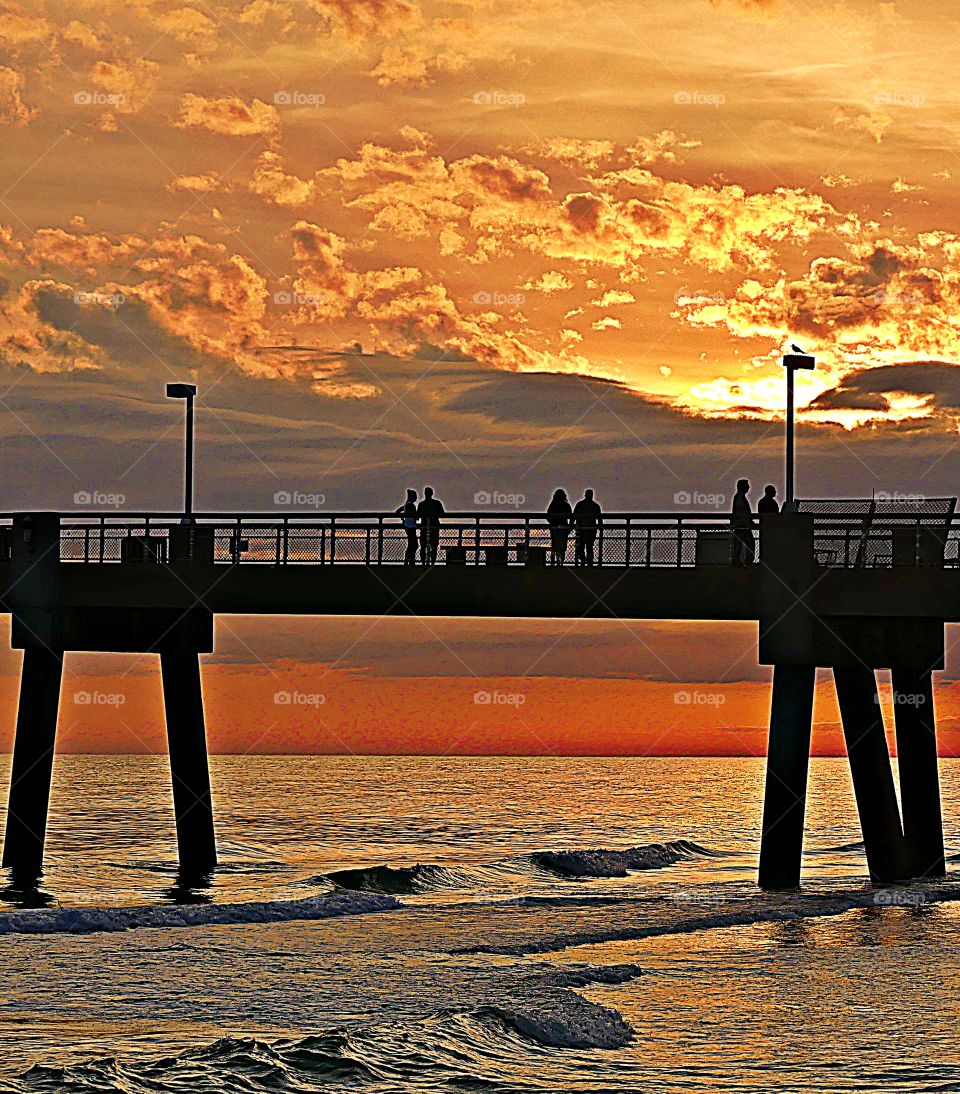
{"x":523,"y":924}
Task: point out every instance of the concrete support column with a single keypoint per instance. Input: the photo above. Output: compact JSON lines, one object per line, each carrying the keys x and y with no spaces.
{"x":919,"y":777}
{"x":189,"y":770}
{"x":788,"y":760}
{"x":873,"y":784}
{"x":40,"y":681}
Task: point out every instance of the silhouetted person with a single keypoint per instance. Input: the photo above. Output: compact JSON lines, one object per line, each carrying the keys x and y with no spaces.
{"x":586,"y":520}
{"x":741,"y":519}
{"x":768,"y":503}
{"x":430,"y":510}
{"x":409,"y":513}
{"x":560,"y":519}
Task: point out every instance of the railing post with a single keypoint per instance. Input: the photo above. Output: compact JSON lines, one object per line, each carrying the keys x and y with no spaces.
{"x":103,"y":521}
{"x":286,"y":540}
{"x":476,"y":554}
{"x":367,"y":546}
{"x":333,"y":538}
{"x":380,"y":540}
{"x":626,"y":549}
{"x":679,"y":538}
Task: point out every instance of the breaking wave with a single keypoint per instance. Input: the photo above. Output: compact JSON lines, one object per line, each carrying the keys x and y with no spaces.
{"x":564,"y":864}
{"x":479,"y":1049}
{"x":90,"y":920}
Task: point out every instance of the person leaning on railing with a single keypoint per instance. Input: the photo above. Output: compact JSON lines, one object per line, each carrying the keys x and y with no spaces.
{"x":586,"y":519}
{"x":559,"y":518}
{"x":408,"y":511}
{"x":430,"y":510}
{"x":741,"y":521}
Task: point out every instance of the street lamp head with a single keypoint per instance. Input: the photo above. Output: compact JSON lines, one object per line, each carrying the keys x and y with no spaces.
{"x":181,"y":391}
{"x":799,"y":360}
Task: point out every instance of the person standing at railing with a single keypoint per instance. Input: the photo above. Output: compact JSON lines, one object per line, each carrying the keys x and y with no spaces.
{"x":587,"y":520}
{"x":408,"y":511}
{"x":768,"y":503}
{"x":430,"y":510}
{"x":741,"y":520}
{"x":560,"y":519}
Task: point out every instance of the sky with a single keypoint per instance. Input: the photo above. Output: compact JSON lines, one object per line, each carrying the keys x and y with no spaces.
{"x":497,"y":247}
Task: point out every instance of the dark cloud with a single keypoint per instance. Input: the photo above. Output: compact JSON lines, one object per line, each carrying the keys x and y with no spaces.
{"x":865,"y":390}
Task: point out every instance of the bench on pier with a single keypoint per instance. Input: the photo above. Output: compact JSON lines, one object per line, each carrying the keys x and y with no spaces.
{"x":901,"y":530}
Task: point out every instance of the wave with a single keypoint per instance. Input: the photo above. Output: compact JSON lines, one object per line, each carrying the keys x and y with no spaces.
{"x":487,"y":1047}
{"x":91,"y":920}
{"x":716,"y":907}
{"x":605,"y":863}
{"x":398,"y":880}
{"x":564,"y":864}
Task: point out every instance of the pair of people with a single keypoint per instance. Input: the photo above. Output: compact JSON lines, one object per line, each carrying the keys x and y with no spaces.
{"x":425,"y":519}
{"x":585,"y":518}
{"x":741,"y":518}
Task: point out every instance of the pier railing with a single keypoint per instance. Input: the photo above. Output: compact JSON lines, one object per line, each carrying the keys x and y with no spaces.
{"x":842,"y":539}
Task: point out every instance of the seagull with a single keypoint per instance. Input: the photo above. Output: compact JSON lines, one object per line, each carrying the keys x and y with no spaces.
{"x":796,"y":348}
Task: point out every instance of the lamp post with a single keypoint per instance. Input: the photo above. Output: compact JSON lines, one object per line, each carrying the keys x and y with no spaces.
{"x":186,"y":392}
{"x":791,"y":362}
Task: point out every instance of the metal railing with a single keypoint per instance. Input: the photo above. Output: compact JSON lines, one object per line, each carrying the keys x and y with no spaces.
{"x":649,"y":540}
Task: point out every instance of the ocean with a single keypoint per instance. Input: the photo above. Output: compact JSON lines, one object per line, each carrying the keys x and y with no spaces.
{"x":484,"y":924}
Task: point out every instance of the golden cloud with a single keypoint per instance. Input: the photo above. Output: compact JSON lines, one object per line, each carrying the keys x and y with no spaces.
{"x":229,"y":116}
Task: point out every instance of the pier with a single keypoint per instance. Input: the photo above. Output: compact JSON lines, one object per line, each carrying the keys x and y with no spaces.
{"x":853,"y":586}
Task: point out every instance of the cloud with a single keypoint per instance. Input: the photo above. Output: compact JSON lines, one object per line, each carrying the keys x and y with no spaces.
{"x":129,"y":86}
{"x":875,"y":124}
{"x":229,"y":116}
{"x":198,"y":184}
{"x":936,"y":383}
{"x":362,"y":18}
{"x":271,"y":182}
{"x":884,"y":299}
{"x":13,"y":110}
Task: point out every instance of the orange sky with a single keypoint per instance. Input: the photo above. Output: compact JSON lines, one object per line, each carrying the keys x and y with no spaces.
{"x":496,"y":245}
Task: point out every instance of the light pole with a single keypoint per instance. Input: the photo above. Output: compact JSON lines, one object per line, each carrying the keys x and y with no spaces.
{"x":186,"y":392}
{"x":791,"y":362}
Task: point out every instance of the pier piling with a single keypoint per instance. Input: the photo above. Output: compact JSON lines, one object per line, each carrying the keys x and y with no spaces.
{"x":788,"y":760}
{"x":919,"y":776}
{"x":872,"y":775}
{"x":189,"y":769}
{"x":32,"y":769}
